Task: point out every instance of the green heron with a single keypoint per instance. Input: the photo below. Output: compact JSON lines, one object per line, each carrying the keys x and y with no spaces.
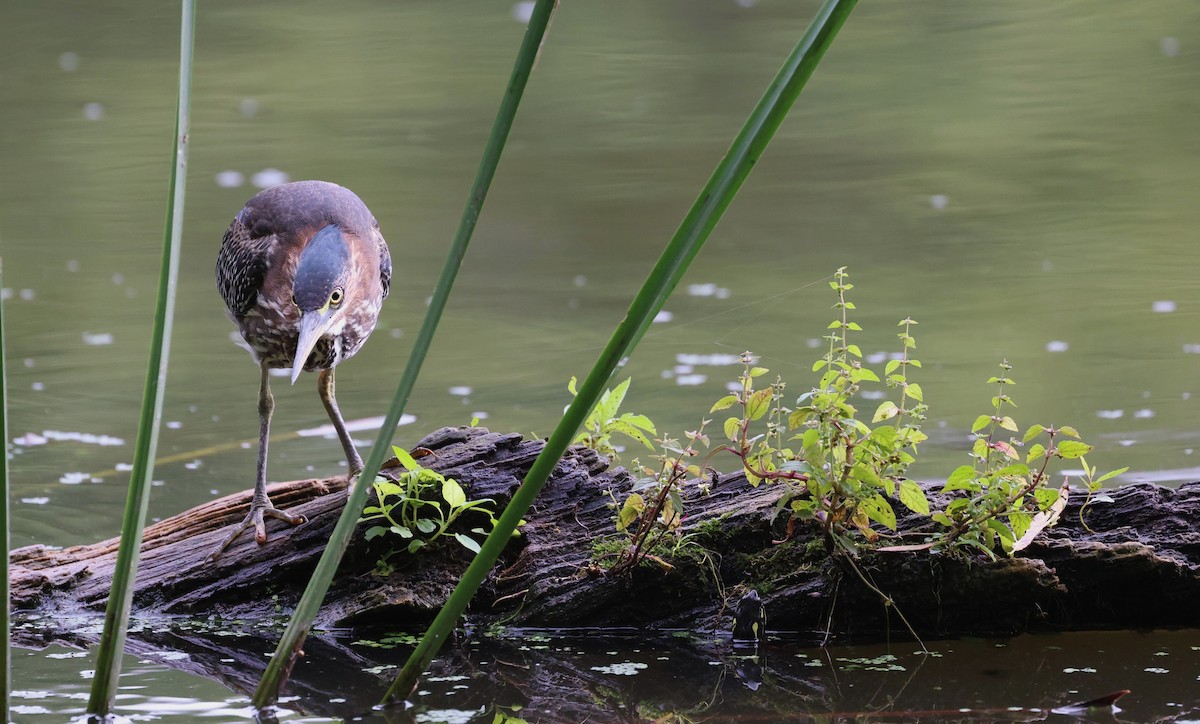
{"x":304,"y":271}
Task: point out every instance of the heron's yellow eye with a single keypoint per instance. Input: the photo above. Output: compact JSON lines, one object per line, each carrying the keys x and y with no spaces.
{"x":336,"y":297}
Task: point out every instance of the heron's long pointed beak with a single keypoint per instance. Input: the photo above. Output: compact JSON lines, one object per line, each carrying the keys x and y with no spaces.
{"x":312,"y":326}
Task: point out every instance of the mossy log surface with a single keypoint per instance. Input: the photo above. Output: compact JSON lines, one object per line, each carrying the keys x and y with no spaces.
{"x":1136,"y":566}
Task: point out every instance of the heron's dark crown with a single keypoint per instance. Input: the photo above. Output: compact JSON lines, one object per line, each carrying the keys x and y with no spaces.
{"x":322,"y":267}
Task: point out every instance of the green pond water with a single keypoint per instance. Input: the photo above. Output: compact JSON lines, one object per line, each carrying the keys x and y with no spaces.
{"x":1019,"y":177}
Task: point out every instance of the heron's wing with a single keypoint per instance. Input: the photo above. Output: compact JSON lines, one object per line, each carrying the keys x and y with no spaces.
{"x":385,"y":261}
{"x":242,"y":267}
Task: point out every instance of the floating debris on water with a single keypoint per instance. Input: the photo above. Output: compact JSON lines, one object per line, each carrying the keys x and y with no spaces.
{"x":663,"y":316}
{"x":460,"y":390}
{"x":97,"y":339}
{"x":68,"y":62}
{"x":31,"y":439}
{"x":626,"y":668}
{"x":269,"y":177}
{"x":711,"y":360}
{"x":939,"y":202}
{"x":707,"y":290}
{"x":1169,"y":46}
{"x":230,"y":179}
{"x":1057,"y":345}
{"x":691,"y":380}
{"x":93,"y":111}
{"x":523,"y":11}
{"x":1110,"y":414}
{"x":40,"y":500}
{"x":366,"y":423}
{"x":1163,"y":306}
{"x":1143,"y":414}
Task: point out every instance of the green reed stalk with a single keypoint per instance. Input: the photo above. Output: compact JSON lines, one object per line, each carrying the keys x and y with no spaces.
{"x":682,"y":249}
{"x":120,"y":598}
{"x":318,"y":585}
{"x":5,"y":627}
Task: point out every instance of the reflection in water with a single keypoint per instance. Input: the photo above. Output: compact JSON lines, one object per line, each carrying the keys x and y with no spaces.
{"x":555,"y":676}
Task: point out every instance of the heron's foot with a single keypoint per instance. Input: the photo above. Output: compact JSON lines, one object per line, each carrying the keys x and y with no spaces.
{"x":256,"y":519}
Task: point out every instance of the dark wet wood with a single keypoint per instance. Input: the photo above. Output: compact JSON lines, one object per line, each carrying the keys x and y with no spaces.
{"x":1136,"y":568}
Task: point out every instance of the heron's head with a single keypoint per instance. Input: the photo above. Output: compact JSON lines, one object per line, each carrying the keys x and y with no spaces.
{"x":322,"y":283}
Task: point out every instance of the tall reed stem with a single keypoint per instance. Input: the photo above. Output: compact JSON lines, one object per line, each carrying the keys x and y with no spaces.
{"x":5,"y":624}
{"x":120,"y":599}
{"x":310,"y":601}
{"x":715,"y":197}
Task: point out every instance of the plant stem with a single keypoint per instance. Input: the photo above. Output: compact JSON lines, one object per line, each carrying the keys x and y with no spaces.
{"x":120,"y":599}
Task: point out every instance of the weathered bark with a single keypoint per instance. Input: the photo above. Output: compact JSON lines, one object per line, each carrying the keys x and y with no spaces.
{"x":1138,"y":568}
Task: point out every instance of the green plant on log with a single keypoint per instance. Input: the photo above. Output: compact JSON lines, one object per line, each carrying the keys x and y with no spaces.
{"x":1004,"y":495}
{"x":840,"y":471}
{"x":843,"y":474}
{"x":606,"y":420}
{"x":651,"y":515}
{"x":419,"y":509}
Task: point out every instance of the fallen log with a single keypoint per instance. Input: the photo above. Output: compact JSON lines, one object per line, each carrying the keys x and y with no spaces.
{"x":1135,"y":567}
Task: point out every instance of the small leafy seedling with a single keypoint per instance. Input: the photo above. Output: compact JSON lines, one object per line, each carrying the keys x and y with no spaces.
{"x":420,"y":508}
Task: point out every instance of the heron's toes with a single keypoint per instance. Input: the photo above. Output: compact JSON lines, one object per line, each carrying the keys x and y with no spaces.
{"x":256,"y":519}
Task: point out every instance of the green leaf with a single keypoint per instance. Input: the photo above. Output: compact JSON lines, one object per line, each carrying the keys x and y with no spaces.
{"x":453,"y":493}
{"x":879,"y":510}
{"x":467,"y":542}
{"x":914,"y":391}
{"x":1001,"y":529}
{"x":426,"y":526}
{"x":961,"y":479}
{"x":853,"y":326}
{"x":863,"y":374}
{"x":571,"y":386}
{"x":913,"y":497}
{"x":640,"y":421}
{"x":415,"y":544}
{"x":886,"y":411}
{"x":1111,"y":474}
{"x":633,"y":507}
{"x":854,"y":350}
{"x":819,"y":364}
{"x":760,"y":403}
{"x":1045,"y":497}
{"x":1009,"y":424}
{"x":1032,"y":432}
{"x":890,"y":367}
{"x":758,"y":371}
{"x":981,"y":422}
{"x":623,"y":427}
{"x":405,"y":458}
{"x":374,"y":532}
{"x":942,"y":519}
{"x":401,"y":531}
{"x":733,"y":428}
{"x":1070,"y":449}
{"x":1035,"y":452}
{"x":1069,"y":431}
{"x":724,"y":403}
